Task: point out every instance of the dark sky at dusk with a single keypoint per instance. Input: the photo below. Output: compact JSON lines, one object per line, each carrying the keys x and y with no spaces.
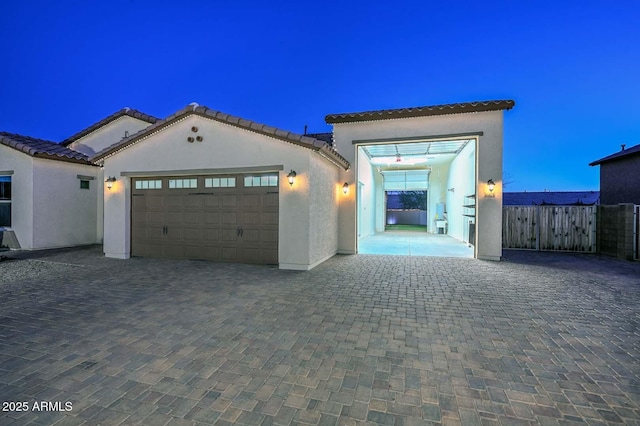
{"x":572,"y":67}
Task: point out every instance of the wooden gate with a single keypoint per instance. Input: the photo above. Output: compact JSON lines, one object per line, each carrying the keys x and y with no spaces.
{"x":561,"y":228}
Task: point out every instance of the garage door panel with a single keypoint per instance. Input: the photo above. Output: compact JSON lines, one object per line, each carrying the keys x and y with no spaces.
{"x":270,"y":218}
{"x":192,"y":235}
{"x":229,"y":200}
{"x":204,"y":223}
{"x":229,"y":235}
{"x":154,"y":251}
{"x":151,"y":202}
{"x":173,"y":251}
{"x":270,"y":200}
{"x":251,"y":218}
{"x":211,"y":236}
{"x":175,"y":201}
{"x":269,"y":256}
{"x":250,"y":235}
{"x":253,"y":201}
{"x":148,"y":219}
{"x":269,"y":236}
{"x":192,"y":218}
{"x":212,"y":218}
{"x":212,"y":200}
{"x":230,"y":218}
{"x":173,"y":218}
{"x":194,"y":201}
{"x":228,"y":254}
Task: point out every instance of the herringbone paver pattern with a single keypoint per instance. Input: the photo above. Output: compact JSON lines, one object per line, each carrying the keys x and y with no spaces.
{"x":540,"y":338}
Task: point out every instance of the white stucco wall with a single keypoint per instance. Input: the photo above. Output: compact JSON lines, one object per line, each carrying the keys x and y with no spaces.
{"x":437,"y":193}
{"x":64,"y":214}
{"x":462,"y":176}
{"x":223,"y":147}
{"x":108,"y":134}
{"x":325,"y":194}
{"x":489,"y":166}
{"x":21,"y":193}
{"x":367,"y":211}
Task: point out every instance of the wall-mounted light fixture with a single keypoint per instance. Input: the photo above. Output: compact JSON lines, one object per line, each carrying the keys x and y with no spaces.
{"x":491,"y":185}
{"x":292,"y":177}
{"x":110,"y":181}
{"x":345,"y":188}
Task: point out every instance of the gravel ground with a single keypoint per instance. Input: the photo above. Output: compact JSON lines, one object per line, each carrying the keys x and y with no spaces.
{"x":26,"y":270}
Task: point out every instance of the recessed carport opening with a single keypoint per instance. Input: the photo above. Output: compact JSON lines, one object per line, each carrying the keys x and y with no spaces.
{"x":416,"y":196}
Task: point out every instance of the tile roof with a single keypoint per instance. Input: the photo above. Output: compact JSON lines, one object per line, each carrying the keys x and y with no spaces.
{"x":327,"y":137}
{"x":386,"y":114}
{"x":634,"y":150}
{"x":297,"y":139}
{"x":42,"y":148}
{"x":559,"y":198}
{"x":124,"y":111}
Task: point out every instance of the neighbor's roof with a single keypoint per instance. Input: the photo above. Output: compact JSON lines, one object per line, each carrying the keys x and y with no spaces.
{"x":386,"y":114}
{"x":634,"y":150}
{"x":124,"y":111}
{"x":41,"y":148}
{"x":327,"y":137}
{"x":305,"y":141}
{"x":560,"y":198}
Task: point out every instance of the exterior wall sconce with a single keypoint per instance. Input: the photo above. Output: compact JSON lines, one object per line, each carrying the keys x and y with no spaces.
{"x":345,"y":188}
{"x":491,"y":185}
{"x":292,"y":177}
{"x":110,"y":181}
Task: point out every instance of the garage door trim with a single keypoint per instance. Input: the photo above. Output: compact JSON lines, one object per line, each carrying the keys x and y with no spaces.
{"x":225,"y":171}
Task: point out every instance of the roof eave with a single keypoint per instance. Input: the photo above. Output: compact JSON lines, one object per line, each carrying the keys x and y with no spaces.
{"x":138,"y":115}
{"x":426,"y":111}
{"x":62,"y":158}
{"x":290,"y":137}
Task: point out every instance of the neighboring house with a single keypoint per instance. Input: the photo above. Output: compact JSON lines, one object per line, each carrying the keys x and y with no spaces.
{"x":202,"y":184}
{"x":48,"y":194}
{"x":551,"y":198}
{"x":620,"y":177}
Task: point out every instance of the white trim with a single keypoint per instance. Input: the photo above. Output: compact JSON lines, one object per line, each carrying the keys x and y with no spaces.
{"x":199,"y":172}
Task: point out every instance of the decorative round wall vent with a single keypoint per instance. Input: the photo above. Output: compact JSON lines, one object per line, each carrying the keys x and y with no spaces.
{"x":190,"y":139}
{"x":199,"y":138}
{"x":194,"y":129}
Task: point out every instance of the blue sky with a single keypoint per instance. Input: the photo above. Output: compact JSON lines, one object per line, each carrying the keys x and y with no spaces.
{"x":572,"y":68}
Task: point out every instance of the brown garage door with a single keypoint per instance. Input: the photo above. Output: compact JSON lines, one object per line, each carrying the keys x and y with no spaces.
{"x":230,"y":218}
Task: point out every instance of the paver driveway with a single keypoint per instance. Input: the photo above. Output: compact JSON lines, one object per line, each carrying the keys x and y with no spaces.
{"x":539,"y":338}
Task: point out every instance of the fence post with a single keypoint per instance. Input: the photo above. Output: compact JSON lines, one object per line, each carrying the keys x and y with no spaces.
{"x":538,"y":228}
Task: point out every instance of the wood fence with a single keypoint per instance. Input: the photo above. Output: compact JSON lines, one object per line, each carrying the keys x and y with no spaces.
{"x":562,"y":228}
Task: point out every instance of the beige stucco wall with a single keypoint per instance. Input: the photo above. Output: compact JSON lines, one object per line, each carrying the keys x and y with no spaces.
{"x":108,"y":134}
{"x":21,"y":193}
{"x":48,"y":208}
{"x":489,"y":166}
{"x":227,"y":147}
{"x":367,"y":185}
{"x":462,"y":179}
{"x":325,"y":195}
{"x":437,"y":193}
{"x":64,"y":214}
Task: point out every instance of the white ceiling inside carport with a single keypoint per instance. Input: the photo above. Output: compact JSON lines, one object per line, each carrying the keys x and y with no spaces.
{"x":412,"y":154}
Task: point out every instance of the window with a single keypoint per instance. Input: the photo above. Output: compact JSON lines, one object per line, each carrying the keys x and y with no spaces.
{"x":5,"y":200}
{"x":84,"y":184}
{"x":149,"y":184}
{"x":183,"y":183}
{"x":267,"y":180}
{"x":224,"y":182}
